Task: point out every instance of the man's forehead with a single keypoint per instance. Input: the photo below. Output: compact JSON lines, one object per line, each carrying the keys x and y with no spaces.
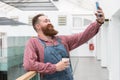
{"x":43,"y":17}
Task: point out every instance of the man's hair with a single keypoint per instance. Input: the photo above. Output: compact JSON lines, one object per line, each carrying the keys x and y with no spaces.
{"x":35,"y":20}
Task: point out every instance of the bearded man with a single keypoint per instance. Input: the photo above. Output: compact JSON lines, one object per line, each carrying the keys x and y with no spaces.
{"x":44,"y":53}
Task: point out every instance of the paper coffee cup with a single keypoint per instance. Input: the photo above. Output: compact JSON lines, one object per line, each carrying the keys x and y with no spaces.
{"x":65,"y":59}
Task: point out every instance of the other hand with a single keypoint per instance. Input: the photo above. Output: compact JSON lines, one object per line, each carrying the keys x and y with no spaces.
{"x":61,"y":65}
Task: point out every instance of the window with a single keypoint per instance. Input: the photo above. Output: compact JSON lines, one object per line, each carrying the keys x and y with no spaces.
{"x":81,"y":21}
{"x":61,"y":20}
{"x":77,"y":22}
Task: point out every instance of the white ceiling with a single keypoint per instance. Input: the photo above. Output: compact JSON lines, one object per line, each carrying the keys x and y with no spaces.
{"x":86,"y":4}
{"x":31,"y":5}
{"x":25,"y":0}
{"x":34,"y":5}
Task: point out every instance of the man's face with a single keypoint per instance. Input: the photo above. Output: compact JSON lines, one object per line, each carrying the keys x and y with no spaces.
{"x":46,"y":26}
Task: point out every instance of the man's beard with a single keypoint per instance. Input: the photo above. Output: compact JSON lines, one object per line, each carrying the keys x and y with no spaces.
{"x":49,"y":30}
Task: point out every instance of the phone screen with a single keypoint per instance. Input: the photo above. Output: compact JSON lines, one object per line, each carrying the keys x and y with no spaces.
{"x":97,"y":5}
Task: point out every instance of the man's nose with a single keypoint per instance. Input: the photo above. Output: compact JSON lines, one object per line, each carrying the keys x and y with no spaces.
{"x":49,"y":22}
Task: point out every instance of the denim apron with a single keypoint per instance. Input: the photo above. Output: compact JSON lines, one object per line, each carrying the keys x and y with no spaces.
{"x":54,"y":54}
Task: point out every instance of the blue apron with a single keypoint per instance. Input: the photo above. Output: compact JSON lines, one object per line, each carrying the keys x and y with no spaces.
{"x":54,"y":54}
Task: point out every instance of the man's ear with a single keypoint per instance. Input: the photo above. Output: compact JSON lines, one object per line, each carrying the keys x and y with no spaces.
{"x":37,"y":26}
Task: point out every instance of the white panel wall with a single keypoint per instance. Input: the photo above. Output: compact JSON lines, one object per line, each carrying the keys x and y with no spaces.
{"x":104,"y":44}
{"x":108,"y":46}
{"x":98,"y":45}
{"x":114,"y":47}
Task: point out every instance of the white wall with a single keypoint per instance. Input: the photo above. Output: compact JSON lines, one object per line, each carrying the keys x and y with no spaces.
{"x":114,"y":46}
{"x":83,"y":50}
{"x":109,"y":7}
{"x":18,"y":30}
{"x":104,"y":44}
{"x":108,"y":49}
{"x":98,"y":45}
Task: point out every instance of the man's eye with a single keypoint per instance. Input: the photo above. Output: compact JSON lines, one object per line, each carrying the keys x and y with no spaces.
{"x":47,"y":21}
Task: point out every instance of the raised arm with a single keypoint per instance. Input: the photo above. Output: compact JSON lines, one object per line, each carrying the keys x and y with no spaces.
{"x":75,"y":40}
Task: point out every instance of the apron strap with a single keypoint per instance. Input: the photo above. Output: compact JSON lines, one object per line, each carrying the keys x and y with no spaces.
{"x":44,"y":45}
{"x":42,"y":42}
{"x":59,"y":40}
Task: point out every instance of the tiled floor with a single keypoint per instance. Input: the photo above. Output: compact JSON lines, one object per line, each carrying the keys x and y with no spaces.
{"x":88,"y":69}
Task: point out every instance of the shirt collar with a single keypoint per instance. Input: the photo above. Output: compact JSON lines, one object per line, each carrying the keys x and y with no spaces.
{"x":46,"y":40}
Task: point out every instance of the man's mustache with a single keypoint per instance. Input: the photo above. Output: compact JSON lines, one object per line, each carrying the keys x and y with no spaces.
{"x":50,"y":26}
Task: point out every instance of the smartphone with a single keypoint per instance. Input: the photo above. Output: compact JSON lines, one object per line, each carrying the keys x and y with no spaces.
{"x":97,"y":5}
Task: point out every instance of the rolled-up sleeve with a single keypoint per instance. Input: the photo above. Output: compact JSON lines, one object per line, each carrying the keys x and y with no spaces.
{"x":31,"y":62}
